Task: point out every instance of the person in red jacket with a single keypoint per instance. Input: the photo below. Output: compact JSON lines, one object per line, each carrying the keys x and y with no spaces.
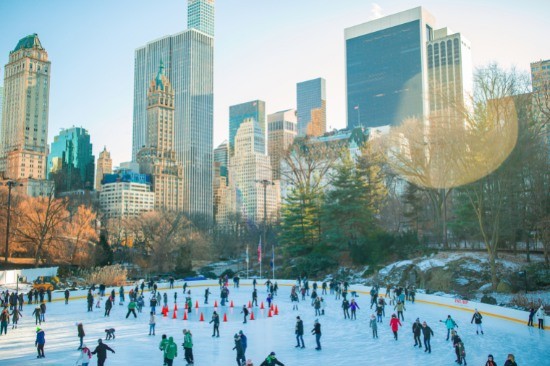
{"x":394,"y":324}
{"x":490,"y":361}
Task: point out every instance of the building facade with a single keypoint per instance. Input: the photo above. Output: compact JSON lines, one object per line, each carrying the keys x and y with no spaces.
{"x":200,"y":16}
{"x":311,"y":102}
{"x":189,"y":65}
{"x":282,"y":129}
{"x":104,"y":166}
{"x":23,"y":145}
{"x":239,"y":113}
{"x":126,"y":194}
{"x":158,"y":158}
{"x":71,"y":163}
{"x":386,"y":69}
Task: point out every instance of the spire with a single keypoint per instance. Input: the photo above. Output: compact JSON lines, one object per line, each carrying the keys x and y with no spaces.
{"x":160,"y":75}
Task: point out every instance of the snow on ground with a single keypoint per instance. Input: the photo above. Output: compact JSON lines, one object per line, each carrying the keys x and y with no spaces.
{"x":343,"y":341}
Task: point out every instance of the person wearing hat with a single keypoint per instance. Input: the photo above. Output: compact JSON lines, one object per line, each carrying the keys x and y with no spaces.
{"x":477,"y":318}
{"x":317,"y":331}
{"x":271,"y":360}
{"x":170,"y":351}
{"x":188,"y":346}
{"x":395,"y":324}
{"x":510,"y":360}
{"x":299,"y":331}
{"x":540,"y":317}
{"x":450,"y":324}
{"x":101,"y":351}
{"x":244,"y":341}
{"x":417,"y":329}
{"x":216,"y":321}
{"x":239,"y":348}
{"x":490,"y":361}
{"x":85,"y":356}
{"x":40,"y":342}
{"x":373,"y":326}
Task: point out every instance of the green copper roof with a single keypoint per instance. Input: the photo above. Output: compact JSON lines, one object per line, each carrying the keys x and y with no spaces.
{"x":30,"y":41}
{"x":160,"y":74}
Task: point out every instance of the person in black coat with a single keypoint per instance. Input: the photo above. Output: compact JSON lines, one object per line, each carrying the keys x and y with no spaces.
{"x":90,"y":299}
{"x":67,"y":293}
{"x":428,"y":333}
{"x":317,"y":331}
{"x":417,"y":329}
{"x":81,"y":334}
{"x":108,"y":306}
{"x":101,"y":351}
{"x":271,"y":360}
{"x":240,"y":352}
{"x":299,"y":332}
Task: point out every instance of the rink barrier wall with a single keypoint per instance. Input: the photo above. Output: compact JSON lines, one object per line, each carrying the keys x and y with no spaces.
{"x":494,"y":311}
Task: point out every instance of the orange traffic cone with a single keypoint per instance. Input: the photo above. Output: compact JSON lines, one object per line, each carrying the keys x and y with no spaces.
{"x":215,"y":303}
{"x":276,"y":310}
{"x":175,"y":306}
{"x":251,"y":315}
{"x":185,"y":315}
{"x":186,"y":305}
{"x":249,"y":304}
{"x":269,"y":314}
{"x":231,"y":305}
{"x":165,"y":311}
{"x":262,"y":306}
{"x":272,"y":308}
{"x":175,"y":316}
{"x":225,"y":317}
{"x":197,"y":304}
{"x":202,"y":317}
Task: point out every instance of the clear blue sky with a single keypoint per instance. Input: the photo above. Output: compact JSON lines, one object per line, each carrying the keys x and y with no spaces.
{"x":263,"y":47}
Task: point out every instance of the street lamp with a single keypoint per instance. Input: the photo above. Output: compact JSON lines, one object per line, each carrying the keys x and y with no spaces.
{"x":265,"y":183}
{"x":10,"y":184}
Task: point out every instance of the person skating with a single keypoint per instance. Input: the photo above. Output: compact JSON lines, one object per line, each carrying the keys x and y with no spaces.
{"x":80,"y":334}
{"x":317,"y":306}
{"x":540,"y":317}
{"x":170,"y":351}
{"x":490,"y":361}
{"x":394,"y":324}
{"x":15,"y":316}
{"x":40,"y":342}
{"x":67,"y":293}
{"x":152,"y":323}
{"x":450,"y":324}
{"x":400,"y":307}
{"x":90,"y":300}
{"x":131,"y":308}
{"x":455,"y":338}
{"x":239,"y":348}
{"x":353,"y":307}
{"x":165,"y":299}
{"x":216,"y":321}
{"x":101,"y":351}
{"x":379,"y":312}
{"x":37,"y":317}
{"x":108,"y":306}
{"x":510,"y":360}
{"x":373,"y":326}
{"x":162,"y":347}
{"x":244,"y":342}
{"x":317,"y":332}
{"x":188,"y":346}
{"x":245,"y":312}
{"x":531,"y":316}
{"x":345,"y":308}
{"x":427,"y":332}
{"x":121,"y":295}
{"x":153,"y":304}
{"x":43,"y":311}
{"x":4,"y":321}
{"x":477,"y":318}
{"x":299,"y":331}
{"x":271,"y":360}
{"x":84,"y":357}
{"x":417,"y":329}
{"x":294,"y":298}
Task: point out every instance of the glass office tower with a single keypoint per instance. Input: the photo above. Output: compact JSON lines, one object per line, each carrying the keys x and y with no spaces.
{"x":386,"y":79}
{"x":311,"y":104}
{"x":239,"y":113}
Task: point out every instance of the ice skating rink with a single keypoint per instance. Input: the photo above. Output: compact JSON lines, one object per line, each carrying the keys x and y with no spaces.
{"x":344,"y":342}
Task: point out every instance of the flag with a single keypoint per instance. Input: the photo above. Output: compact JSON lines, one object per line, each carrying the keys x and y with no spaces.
{"x":356,"y":107}
{"x":260,"y":250}
{"x":247,"y":260}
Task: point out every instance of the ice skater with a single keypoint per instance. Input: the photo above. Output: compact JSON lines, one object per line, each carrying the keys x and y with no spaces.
{"x":271,"y":360}
{"x":450,"y":324}
{"x":241,"y":359}
{"x":101,"y":351}
{"x":299,"y":331}
{"x":188,"y":346}
{"x":427,"y":332}
{"x":317,"y":332}
{"x":15,"y":316}
{"x":373,"y":326}
{"x":477,"y":318}
{"x":40,"y":342}
{"x":394,"y":324}
{"x":152,"y":323}
{"x":417,"y":329}
{"x":245,"y":312}
{"x":540,"y":317}
{"x":84,"y":357}
{"x":353,"y":307}
{"x":80,"y":334}
{"x":216,"y":321}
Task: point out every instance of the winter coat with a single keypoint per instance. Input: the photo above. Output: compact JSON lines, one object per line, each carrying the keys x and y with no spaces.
{"x":80,"y":329}
{"x":477,"y":318}
{"x":162,"y":344}
{"x":379,"y":309}
{"x":5,"y":316}
{"x":510,"y":363}
{"x":400,"y":306}
{"x":373,"y":324}
{"x":152,"y":319}
{"x":427,"y":332}
{"x":171,"y":349}
{"x":67,"y":294}
{"x":345,"y":304}
{"x":540,"y":314}
{"x":215,"y":319}
{"x":43,"y":308}
{"x":490,"y":363}
{"x":449,"y":323}
{"x":299,"y":330}
{"x":238,"y":345}
{"x":271,"y":361}
{"x":417,"y":328}
{"x":395,"y":324}
{"x":40,"y":337}
{"x":244,"y":341}
{"x":316,"y":329}
{"x":131,"y":305}
{"x":101,"y":351}
{"x":108,"y":304}
{"x":36,"y":312}
{"x":354,"y":306}
{"x":85,"y":355}
{"x":188,"y":340}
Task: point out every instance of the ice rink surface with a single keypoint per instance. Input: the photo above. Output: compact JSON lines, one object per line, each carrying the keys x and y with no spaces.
{"x":344,"y":342}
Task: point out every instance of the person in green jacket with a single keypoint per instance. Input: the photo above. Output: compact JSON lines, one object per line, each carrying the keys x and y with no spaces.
{"x":162,"y":346}
{"x":170,"y":351}
{"x":131,"y":309}
{"x":188,"y":346}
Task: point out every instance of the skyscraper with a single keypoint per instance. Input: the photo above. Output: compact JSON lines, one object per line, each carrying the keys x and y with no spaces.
{"x":104,"y":166}
{"x":188,"y":59}
{"x":24,"y":144}
{"x":282,"y":128}
{"x":540,"y":76}
{"x":386,"y":69}
{"x":221,"y":157}
{"x":71,"y":163}
{"x":158,"y":158}
{"x":311,"y":107}
{"x":239,"y":113}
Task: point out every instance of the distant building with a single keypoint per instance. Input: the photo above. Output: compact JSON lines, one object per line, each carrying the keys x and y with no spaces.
{"x":30,"y":187}
{"x":386,"y":69}
{"x":221,"y":157}
{"x":220,"y":183}
{"x":158,"y":158}
{"x":239,"y":113}
{"x":311,"y":107}
{"x":126,"y":194}
{"x":282,"y":129}
{"x":71,"y":164}
{"x":104,"y":166}
{"x":24,"y":132}
{"x":200,"y":16}
{"x":540,"y":76}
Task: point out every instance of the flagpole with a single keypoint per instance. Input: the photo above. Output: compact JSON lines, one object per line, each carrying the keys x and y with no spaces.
{"x":260,"y":258}
{"x":247,"y":260}
{"x":273,"y":259}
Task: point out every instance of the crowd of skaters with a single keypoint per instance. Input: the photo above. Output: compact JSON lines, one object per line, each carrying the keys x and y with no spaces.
{"x":396,"y":297}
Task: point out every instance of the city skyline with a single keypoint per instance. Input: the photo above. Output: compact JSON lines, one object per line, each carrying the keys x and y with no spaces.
{"x":247,"y":54}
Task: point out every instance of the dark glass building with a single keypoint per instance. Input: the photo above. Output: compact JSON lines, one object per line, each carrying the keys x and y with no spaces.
{"x":240,"y":112}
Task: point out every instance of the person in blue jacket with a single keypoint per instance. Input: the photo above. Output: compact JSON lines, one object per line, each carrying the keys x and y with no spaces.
{"x":40,"y":342}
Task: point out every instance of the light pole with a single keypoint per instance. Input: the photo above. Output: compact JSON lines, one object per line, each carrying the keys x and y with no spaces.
{"x":10,"y":184}
{"x":265,"y":183}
